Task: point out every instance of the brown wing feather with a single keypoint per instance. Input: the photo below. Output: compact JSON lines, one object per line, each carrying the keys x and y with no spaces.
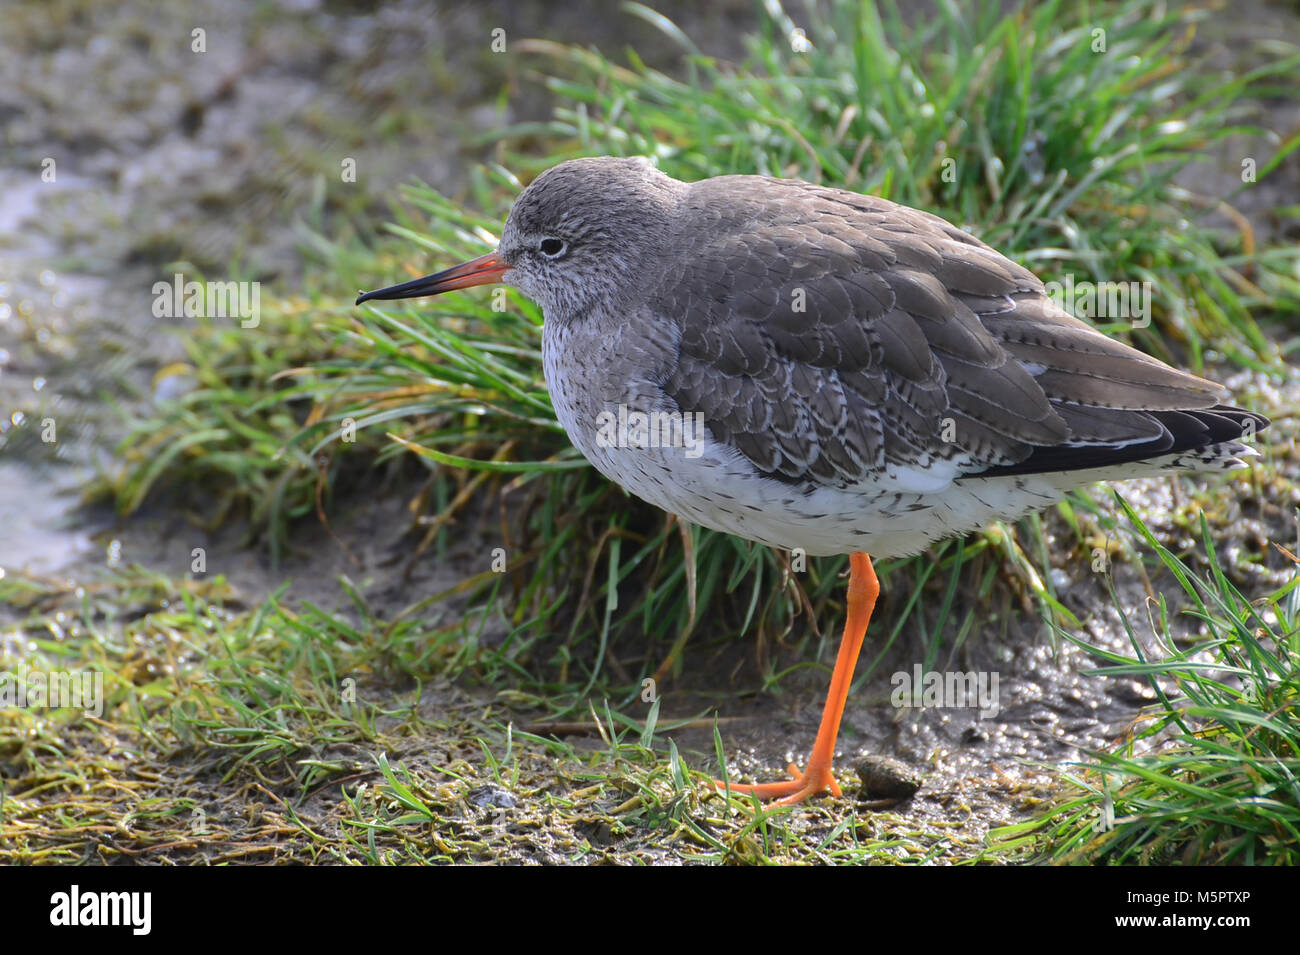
{"x":910,"y":332}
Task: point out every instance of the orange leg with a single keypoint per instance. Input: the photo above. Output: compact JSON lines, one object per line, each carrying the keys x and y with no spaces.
{"x":863,"y":591}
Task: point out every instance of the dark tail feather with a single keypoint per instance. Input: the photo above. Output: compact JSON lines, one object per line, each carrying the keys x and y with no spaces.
{"x":1180,"y":431}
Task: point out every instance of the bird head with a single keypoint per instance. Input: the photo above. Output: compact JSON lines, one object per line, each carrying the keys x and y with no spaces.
{"x":580,"y":233}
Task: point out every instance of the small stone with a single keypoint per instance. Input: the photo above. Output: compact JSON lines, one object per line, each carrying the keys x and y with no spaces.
{"x":886,"y":778}
{"x":492,"y":796}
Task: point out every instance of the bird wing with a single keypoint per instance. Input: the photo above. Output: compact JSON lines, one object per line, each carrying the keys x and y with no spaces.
{"x":830,"y":336}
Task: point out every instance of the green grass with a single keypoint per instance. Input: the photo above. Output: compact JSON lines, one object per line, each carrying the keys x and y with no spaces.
{"x":1211,"y":775}
{"x":1061,"y":157}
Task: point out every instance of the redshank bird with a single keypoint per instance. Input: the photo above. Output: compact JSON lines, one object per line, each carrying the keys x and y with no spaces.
{"x":832,"y":372}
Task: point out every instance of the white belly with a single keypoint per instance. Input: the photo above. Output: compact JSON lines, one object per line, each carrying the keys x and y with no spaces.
{"x":720,"y":490}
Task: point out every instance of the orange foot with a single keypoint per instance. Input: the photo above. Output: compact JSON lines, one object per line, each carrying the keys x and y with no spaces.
{"x":799,"y":787}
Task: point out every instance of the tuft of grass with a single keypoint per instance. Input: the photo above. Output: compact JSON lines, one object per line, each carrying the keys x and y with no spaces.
{"x":1211,"y":776}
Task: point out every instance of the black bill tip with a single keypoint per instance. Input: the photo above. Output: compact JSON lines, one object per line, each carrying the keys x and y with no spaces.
{"x":481,"y":271}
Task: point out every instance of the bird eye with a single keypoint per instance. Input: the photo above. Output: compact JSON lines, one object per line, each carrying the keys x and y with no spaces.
{"x":552,"y":248}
